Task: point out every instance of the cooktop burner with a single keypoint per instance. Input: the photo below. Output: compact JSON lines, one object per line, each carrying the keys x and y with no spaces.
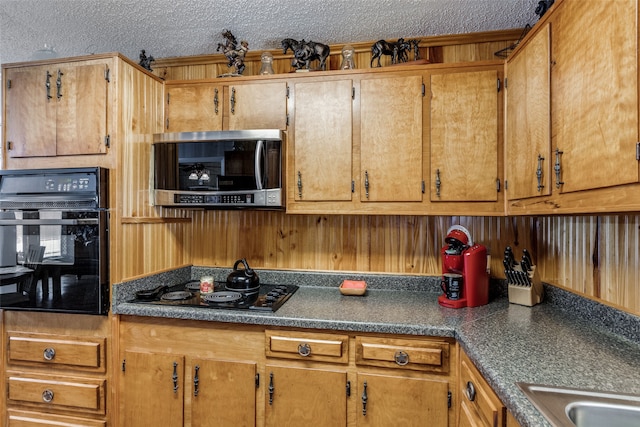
{"x":270,"y":297}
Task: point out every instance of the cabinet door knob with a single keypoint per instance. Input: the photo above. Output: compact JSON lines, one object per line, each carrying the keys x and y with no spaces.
{"x":304,"y":349}
{"x":402,"y":358}
{"x":47,"y":395}
{"x":470,"y":391}
{"x":49,"y":353}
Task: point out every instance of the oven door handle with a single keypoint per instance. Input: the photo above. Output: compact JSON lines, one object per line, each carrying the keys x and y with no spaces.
{"x":82,"y":221}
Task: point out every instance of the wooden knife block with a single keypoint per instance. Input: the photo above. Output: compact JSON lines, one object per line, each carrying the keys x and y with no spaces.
{"x":527,"y":295}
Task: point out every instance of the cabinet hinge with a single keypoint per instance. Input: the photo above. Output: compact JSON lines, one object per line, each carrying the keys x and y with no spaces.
{"x":423,"y":187}
{"x":353,"y":92}
{"x":506,"y":185}
{"x":107,"y":75}
{"x":107,"y":141}
{"x":167,"y":124}
{"x":448,"y":399}
{"x":9,"y":145}
{"x":506,"y":82}
{"x":498,"y":185}
{"x":348,"y":388}
{"x":287,"y":123}
{"x":353,"y":186}
{"x":638,"y":151}
{"x":423,"y":89}
{"x":168,"y":98}
{"x":124,"y":365}
{"x":288,"y":92}
{"x":8,"y":83}
{"x":257,"y":380}
{"x":498,"y":83}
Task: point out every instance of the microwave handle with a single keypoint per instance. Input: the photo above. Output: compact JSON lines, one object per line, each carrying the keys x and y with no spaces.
{"x":258,"y":164}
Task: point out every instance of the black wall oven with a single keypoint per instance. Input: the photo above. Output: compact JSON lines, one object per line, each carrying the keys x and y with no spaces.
{"x":54,"y":232}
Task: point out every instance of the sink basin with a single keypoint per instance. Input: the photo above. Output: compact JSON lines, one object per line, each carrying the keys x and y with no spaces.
{"x":567,"y":407}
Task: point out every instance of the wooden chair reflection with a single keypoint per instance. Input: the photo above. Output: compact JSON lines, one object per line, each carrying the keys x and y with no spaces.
{"x":33,"y":260}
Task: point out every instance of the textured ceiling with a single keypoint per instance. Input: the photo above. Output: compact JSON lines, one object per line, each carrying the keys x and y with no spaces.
{"x":167,"y":28}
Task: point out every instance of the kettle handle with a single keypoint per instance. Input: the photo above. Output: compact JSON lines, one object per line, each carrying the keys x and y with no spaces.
{"x":247,"y":269}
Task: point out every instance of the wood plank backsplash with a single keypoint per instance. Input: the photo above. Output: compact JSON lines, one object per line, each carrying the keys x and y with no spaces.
{"x":597,"y":256}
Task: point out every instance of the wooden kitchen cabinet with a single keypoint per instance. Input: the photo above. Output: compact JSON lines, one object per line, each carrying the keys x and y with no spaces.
{"x":57,"y":109}
{"x":478,"y":404}
{"x":465,"y":139}
{"x":593,"y":164}
{"x":322,"y":144}
{"x":181,"y":373}
{"x":222,"y":393}
{"x":528,"y":126}
{"x":403,"y":382}
{"x":207,"y":106}
{"x":391,"y":138}
{"x":310,"y":386}
{"x":59,"y":373}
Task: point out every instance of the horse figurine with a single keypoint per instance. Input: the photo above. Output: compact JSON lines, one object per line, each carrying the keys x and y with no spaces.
{"x":397,"y":51}
{"x":235,"y":53}
{"x":304,"y":52}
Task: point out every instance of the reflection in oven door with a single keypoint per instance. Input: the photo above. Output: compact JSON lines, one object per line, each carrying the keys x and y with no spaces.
{"x":58,"y":262}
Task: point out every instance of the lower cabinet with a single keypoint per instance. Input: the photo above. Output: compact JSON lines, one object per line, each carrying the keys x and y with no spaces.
{"x":479,"y":405}
{"x":217,"y":393}
{"x":188,"y":373}
{"x":56,"y":376}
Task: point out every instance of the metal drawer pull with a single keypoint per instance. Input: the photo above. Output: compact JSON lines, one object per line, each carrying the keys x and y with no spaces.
{"x":402,"y":358}
{"x":304,"y":349}
{"x":470,"y":391}
{"x":49,"y":353}
{"x":47,"y":395}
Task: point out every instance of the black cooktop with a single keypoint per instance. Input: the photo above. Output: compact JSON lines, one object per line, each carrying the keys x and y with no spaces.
{"x":269,"y":298}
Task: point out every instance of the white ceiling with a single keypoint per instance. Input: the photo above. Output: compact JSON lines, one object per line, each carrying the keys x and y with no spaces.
{"x":167,"y":28}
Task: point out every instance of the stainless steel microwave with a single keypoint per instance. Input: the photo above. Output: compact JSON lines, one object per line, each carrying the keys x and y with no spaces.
{"x":219,"y":169}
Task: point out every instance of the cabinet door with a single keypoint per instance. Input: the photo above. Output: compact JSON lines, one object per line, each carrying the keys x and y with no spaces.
{"x":298,"y":396}
{"x":81,"y":115}
{"x":386,"y":400}
{"x":528,"y":137}
{"x":193,"y":108}
{"x":594,"y":86}
{"x":391,"y":139}
{"x":152,"y":390}
{"x":322,"y":140}
{"x":464,"y":136}
{"x":258,"y":106}
{"x":223,"y":393}
{"x":30,"y":111}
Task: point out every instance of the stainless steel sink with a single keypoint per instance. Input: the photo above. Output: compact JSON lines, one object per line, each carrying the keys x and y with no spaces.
{"x":567,"y":407}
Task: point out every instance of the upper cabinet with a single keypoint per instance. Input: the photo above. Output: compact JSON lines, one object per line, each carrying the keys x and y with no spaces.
{"x":322,"y":154}
{"x":465,"y":136}
{"x":57,"y":109}
{"x":528,"y":126}
{"x":207,"y":106}
{"x":376,"y":142}
{"x":591,"y":164}
{"x":391,"y":138}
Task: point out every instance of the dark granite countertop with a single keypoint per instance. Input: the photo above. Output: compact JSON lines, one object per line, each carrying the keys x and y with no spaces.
{"x":566,"y":341}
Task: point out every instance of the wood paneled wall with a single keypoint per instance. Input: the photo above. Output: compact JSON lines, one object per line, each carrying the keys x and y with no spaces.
{"x":435,"y":49}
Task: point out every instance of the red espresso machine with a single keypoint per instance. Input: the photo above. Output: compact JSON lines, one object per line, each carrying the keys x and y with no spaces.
{"x":465,"y":280}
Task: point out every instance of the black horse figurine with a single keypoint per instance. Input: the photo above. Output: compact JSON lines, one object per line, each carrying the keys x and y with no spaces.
{"x":397,"y":51}
{"x":234,"y":52}
{"x":304,"y":52}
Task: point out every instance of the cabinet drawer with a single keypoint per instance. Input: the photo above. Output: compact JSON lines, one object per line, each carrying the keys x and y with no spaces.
{"x":84,"y":354}
{"x":395,"y":353}
{"x":36,"y":419}
{"x":477,"y":395}
{"x":57,"y":392}
{"x":309,"y":346}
